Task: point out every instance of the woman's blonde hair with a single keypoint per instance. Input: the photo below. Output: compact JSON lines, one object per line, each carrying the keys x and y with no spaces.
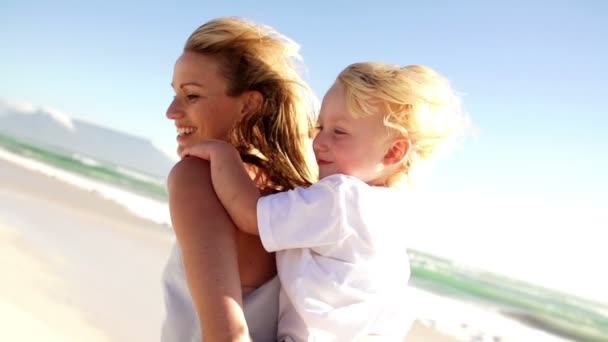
{"x":257,"y":57}
{"x":417,"y":103}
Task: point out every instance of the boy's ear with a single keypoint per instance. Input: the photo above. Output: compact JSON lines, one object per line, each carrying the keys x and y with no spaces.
{"x":252,"y":102}
{"x":397,"y":152}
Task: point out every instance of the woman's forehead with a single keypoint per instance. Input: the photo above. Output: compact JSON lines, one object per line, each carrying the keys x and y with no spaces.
{"x":198,"y":70}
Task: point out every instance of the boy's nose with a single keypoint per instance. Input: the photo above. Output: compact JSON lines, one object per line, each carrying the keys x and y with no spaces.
{"x":319,"y":143}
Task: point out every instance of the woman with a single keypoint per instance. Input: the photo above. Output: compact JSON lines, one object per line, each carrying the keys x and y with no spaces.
{"x":235,"y":81}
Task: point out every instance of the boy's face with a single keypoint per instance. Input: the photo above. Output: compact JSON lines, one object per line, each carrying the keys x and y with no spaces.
{"x":348,"y":145}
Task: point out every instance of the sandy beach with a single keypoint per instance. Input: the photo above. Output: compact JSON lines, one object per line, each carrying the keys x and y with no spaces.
{"x":77,"y":267}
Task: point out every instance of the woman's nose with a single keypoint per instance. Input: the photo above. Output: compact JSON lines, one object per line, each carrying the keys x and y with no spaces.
{"x":174,"y":111}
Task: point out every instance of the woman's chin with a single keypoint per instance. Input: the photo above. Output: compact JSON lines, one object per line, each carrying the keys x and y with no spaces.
{"x":180,"y":148}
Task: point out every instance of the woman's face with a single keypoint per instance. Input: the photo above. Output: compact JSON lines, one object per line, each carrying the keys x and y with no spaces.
{"x":201,"y":109}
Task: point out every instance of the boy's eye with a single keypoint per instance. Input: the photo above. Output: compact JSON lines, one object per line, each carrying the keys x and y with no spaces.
{"x":339,"y":131}
{"x":191,"y":97}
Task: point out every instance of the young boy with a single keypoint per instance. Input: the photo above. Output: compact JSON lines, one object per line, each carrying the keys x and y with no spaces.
{"x":341,"y":254}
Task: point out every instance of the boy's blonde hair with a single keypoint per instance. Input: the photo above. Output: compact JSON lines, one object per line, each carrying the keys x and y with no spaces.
{"x":417,"y":103}
{"x":257,"y":57}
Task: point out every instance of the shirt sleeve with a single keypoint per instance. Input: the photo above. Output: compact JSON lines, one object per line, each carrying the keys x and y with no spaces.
{"x":305,"y":217}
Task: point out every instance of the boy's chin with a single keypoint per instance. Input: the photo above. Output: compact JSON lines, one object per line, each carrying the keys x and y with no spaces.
{"x":325,"y":174}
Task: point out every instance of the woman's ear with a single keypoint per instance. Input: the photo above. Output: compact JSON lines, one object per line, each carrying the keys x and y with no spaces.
{"x":252,"y":102}
{"x":397,"y":152}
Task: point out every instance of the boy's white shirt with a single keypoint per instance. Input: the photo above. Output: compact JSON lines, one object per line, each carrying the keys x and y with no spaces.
{"x":341,"y":259}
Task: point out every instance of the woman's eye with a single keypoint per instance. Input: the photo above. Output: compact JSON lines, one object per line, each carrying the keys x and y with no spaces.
{"x":191,"y":97}
{"x":339,"y":132}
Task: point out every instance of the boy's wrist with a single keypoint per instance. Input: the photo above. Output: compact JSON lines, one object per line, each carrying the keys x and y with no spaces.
{"x":227,"y":151}
{"x":221,"y":149}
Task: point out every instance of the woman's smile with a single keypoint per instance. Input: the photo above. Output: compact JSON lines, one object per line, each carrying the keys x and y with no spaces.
{"x":184,"y":133}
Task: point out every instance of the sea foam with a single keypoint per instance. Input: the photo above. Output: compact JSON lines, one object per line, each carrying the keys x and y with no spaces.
{"x":151,"y":209}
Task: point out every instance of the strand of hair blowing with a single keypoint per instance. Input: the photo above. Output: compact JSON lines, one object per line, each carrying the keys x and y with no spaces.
{"x":271,"y":141}
{"x":255,"y":57}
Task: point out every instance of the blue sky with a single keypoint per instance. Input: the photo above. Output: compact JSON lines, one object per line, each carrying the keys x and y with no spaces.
{"x":533,"y":74}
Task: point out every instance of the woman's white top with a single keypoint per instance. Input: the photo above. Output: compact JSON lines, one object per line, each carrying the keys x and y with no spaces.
{"x":181,"y":321}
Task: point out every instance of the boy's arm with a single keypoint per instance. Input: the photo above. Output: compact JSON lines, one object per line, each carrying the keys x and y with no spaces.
{"x":232,"y":184}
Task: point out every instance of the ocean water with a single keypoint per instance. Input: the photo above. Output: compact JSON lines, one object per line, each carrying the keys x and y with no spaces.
{"x":114,"y":175}
{"x":559,"y":313}
{"x":141,"y":194}
{"x":556,"y":312}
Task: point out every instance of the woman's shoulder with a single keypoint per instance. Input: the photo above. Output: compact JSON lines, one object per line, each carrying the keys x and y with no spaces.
{"x":192,"y":170}
{"x":186,"y":171}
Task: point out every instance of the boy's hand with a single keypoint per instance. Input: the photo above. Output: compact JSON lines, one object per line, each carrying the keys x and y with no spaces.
{"x":205,"y":149}
{"x":232,"y":184}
